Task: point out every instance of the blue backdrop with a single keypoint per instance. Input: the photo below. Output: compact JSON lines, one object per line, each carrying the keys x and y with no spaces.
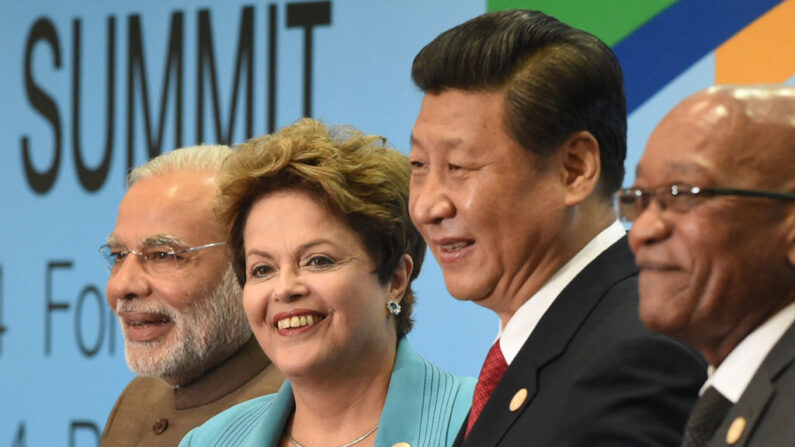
{"x":90,"y":88}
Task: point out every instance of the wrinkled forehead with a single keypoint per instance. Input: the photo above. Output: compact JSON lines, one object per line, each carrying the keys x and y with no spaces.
{"x":681,"y":148}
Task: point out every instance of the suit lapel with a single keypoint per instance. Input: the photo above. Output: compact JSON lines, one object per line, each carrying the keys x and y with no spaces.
{"x":756,"y":396}
{"x":549,"y":340}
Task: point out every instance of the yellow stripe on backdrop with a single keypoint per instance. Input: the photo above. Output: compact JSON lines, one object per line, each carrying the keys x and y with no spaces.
{"x":762,"y":52}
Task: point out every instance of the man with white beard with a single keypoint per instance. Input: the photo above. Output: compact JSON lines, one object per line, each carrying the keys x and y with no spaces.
{"x":178,"y":303}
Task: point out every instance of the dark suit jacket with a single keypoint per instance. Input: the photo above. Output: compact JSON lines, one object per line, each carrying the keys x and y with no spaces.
{"x":594,"y":375}
{"x":768,"y":403}
{"x":151,"y":413}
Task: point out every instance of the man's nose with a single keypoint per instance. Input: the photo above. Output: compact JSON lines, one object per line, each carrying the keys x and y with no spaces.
{"x":650,"y":226}
{"x":128,"y":281}
{"x":429,"y":202}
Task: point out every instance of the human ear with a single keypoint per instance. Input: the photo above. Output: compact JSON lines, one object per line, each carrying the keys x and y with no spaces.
{"x":400,"y":280}
{"x":580,"y":166}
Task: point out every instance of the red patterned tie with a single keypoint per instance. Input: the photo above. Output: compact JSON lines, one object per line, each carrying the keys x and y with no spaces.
{"x":493,"y":369}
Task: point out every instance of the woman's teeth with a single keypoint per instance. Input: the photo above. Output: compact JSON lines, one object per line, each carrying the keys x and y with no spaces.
{"x":298,"y":321}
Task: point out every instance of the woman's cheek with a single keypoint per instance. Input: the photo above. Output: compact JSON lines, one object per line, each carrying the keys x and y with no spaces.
{"x":253,"y":304}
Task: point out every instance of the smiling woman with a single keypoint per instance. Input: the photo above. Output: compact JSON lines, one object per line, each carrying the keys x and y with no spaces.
{"x":323,"y":245}
{"x":311,"y":296}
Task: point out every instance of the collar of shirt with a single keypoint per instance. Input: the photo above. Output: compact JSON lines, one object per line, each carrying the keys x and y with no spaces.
{"x":735,"y":372}
{"x":513,"y":336}
{"x":224,"y":378}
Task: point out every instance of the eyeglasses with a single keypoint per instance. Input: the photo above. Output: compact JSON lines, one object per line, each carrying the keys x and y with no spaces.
{"x":156,"y":259}
{"x":681,"y":198}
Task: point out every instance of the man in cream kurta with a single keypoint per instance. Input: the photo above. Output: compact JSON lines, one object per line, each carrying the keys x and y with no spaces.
{"x":178,"y":303}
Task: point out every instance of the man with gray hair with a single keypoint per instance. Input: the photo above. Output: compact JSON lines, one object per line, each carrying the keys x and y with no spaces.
{"x":178,"y":303}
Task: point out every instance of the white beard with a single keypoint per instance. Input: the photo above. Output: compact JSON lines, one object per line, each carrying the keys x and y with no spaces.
{"x":206,"y":329}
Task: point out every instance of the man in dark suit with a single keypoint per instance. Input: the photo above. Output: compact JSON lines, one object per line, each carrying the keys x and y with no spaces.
{"x":516,"y":152}
{"x":714,"y":236}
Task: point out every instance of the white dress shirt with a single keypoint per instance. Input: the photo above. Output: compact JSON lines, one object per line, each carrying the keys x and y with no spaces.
{"x":524,"y":320}
{"x":735,"y":372}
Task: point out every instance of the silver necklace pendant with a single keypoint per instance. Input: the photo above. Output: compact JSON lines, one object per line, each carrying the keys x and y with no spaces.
{"x":355,"y":441}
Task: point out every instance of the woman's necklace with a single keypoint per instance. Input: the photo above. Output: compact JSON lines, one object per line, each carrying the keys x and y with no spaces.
{"x":362,"y":438}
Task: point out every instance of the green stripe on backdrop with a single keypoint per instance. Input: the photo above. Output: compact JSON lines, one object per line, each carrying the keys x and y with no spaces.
{"x":609,"y":20}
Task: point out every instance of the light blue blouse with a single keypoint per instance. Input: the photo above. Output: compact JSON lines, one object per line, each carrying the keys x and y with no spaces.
{"x":424,"y":407}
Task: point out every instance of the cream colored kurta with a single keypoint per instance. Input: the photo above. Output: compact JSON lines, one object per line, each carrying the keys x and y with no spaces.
{"x":151,"y":413}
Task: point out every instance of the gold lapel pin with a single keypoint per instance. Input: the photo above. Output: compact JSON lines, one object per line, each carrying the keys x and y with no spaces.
{"x":402,"y":444}
{"x":518,"y":399}
{"x":735,"y":430}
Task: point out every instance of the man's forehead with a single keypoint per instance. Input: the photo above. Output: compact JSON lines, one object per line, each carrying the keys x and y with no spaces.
{"x":181,"y":189}
{"x":672,"y":166}
{"x":741,"y":109}
{"x":454,"y":117}
{"x":178,"y":205}
{"x":441,"y":144}
{"x":175,"y":185}
{"x":680,"y":146}
{"x":735,"y":133}
{"x":664,"y":171}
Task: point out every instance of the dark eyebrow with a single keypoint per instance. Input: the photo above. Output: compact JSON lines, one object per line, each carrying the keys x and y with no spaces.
{"x":315,"y":242}
{"x":302,"y":248}
{"x":259,"y":253}
{"x":448,"y":142}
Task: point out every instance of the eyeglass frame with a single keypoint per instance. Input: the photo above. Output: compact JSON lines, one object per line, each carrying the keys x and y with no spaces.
{"x":676,"y":189}
{"x":144,"y":261}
